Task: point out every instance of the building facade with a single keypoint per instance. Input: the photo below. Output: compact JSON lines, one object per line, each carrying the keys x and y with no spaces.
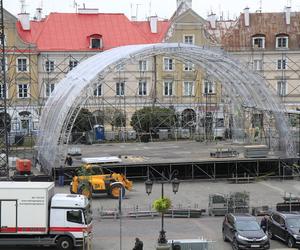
{"x":268,"y":43}
{"x":22,"y":88}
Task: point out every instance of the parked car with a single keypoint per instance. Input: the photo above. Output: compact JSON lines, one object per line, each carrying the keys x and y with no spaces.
{"x":217,"y":204}
{"x":244,"y":232}
{"x":285,"y":226}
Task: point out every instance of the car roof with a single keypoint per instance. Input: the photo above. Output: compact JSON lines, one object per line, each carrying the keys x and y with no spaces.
{"x":288,"y":214}
{"x":243,"y":217}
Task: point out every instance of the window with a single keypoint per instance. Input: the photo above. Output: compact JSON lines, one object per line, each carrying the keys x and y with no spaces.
{"x":258,"y":42}
{"x":188,"y":66}
{"x":2,"y":91}
{"x":74,"y":216}
{"x":25,"y":123}
{"x":257,"y":120}
{"x":276,"y":218}
{"x":142,"y":87}
{"x":72,"y":64}
{"x":120,"y":88}
{"x":2,"y":63}
{"x":49,"y":87}
{"x":220,"y":123}
{"x":281,"y":88}
{"x":96,"y":43}
{"x":49,"y":66}
{"x":281,"y":64}
{"x":168,"y":88}
{"x":1,"y":39}
{"x":98,"y":90}
{"x":188,"y":39}
{"x":188,"y":88}
{"x":257,"y":65}
{"x":168,"y":64}
{"x":143,"y":65}
{"x":208,"y":87}
{"x":23,"y":90}
{"x":282,"y":42}
{"x":22,"y":65}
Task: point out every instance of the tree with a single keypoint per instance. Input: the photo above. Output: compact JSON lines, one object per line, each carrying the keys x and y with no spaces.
{"x":151,"y":119}
{"x":84,"y":121}
{"x":115,"y":117}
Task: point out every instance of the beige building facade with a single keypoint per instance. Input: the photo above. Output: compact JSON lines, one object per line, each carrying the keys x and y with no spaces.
{"x":22,"y":89}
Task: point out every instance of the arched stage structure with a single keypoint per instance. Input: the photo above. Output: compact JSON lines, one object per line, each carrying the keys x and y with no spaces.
{"x":245,"y":89}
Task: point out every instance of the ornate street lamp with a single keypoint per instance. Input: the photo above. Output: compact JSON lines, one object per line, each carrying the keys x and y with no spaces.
{"x":175,"y":186}
{"x":148,"y":185}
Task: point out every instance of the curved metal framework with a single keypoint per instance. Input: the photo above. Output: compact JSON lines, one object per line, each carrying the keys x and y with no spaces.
{"x":245,"y":88}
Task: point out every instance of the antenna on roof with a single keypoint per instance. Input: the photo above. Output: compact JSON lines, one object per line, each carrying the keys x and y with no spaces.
{"x":260,"y":6}
{"x":75,"y":6}
{"x":23,"y":5}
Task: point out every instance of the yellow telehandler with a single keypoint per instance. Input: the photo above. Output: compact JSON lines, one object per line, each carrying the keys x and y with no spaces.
{"x":88,"y":183}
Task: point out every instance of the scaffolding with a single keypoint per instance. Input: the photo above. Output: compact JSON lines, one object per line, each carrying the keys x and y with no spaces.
{"x":57,"y":124}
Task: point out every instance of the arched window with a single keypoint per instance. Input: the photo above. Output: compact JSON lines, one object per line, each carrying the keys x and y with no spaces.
{"x":96,"y":41}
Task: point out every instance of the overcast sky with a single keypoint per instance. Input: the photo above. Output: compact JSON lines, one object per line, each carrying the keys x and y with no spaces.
{"x":163,"y":8}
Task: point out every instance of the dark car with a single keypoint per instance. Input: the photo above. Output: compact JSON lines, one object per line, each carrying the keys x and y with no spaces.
{"x":243,"y":231}
{"x":285,"y":226}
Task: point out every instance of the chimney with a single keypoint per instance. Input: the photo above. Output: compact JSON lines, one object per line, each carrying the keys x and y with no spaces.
{"x":247,"y":17}
{"x":288,"y":15}
{"x":212,"y":18}
{"x":153,"y":24}
{"x":38,"y":14}
{"x":24,"y":20}
{"x":88,"y":11}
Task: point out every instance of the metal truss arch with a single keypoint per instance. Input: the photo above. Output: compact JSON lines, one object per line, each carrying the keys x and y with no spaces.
{"x":244,"y":87}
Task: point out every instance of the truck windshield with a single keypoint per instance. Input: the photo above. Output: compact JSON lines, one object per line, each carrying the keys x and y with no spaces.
{"x":88,"y":216}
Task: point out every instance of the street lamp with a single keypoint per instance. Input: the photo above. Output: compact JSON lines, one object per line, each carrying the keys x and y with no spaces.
{"x":175,"y":186}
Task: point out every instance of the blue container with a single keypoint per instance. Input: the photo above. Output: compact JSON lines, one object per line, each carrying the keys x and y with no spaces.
{"x":99,"y":133}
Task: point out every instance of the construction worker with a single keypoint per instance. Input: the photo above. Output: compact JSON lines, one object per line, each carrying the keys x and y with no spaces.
{"x":69,"y":160}
{"x":138,"y":244}
{"x":61,"y":177}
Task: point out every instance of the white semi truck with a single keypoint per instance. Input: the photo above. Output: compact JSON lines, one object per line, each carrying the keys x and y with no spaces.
{"x":31,"y":214}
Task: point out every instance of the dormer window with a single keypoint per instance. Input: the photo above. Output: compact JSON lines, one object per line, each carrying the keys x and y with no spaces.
{"x":282,"y":41}
{"x":96,"y":41}
{"x":258,"y":42}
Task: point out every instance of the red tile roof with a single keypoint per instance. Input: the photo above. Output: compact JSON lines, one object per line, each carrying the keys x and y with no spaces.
{"x":71,"y":31}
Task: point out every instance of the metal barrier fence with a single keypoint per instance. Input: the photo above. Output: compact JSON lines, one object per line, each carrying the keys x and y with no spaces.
{"x":136,"y":211}
{"x":181,"y":211}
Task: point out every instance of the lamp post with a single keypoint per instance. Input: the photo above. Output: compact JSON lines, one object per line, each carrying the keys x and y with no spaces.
{"x":175,"y":186}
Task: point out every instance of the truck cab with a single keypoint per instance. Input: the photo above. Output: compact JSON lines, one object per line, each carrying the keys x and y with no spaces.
{"x":70,"y":216}
{"x":31,"y":214}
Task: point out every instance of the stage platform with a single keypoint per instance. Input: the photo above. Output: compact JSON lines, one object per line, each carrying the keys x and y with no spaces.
{"x":190,"y":159}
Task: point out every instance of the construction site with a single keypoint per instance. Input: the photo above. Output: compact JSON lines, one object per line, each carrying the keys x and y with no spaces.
{"x":156,"y":93}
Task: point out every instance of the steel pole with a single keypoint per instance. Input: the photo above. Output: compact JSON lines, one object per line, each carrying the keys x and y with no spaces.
{"x":5,"y":172}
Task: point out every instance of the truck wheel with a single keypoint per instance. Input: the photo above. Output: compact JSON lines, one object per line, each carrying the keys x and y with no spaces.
{"x":115,"y":191}
{"x":64,"y":243}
